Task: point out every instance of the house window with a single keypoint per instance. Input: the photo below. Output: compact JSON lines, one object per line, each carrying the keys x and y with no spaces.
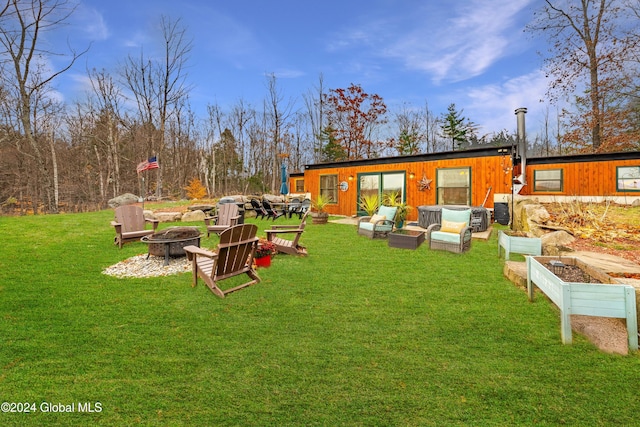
{"x":548,"y":180}
{"x":299,"y":185}
{"x":329,"y":187}
{"x":453,"y":186}
{"x":628,"y":178}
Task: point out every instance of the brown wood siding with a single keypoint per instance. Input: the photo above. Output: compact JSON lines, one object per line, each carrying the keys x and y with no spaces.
{"x":581,"y":179}
{"x":490,"y":172}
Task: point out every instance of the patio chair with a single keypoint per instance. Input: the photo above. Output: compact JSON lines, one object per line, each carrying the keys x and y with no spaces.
{"x":378,"y":225}
{"x":233,"y":256}
{"x":293,"y":206}
{"x":305,"y":206}
{"x":271,"y":212}
{"x":288,"y":246}
{"x":258,"y":209}
{"x":130,"y":224}
{"x":227,"y":216}
{"x":453,"y":234}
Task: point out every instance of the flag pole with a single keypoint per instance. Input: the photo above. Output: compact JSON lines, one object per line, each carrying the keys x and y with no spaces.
{"x":144,"y":191}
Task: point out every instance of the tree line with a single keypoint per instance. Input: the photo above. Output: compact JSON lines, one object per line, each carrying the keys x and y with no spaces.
{"x":75,"y":157}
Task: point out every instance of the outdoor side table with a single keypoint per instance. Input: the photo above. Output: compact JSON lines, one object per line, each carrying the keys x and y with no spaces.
{"x":406,"y":239}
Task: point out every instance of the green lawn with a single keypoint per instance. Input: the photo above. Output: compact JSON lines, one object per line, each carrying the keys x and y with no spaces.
{"x":354,"y":334}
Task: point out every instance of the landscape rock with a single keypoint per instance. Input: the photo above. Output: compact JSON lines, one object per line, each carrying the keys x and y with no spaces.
{"x":193,"y":216}
{"x":530,"y":217}
{"x":123,"y":199}
{"x":203,"y":208}
{"x":272,"y":198}
{"x":168,"y":216}
{"x":556,"y":242}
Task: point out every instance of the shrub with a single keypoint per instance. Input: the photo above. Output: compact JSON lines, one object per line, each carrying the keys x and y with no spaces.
{"x":195,"y":189}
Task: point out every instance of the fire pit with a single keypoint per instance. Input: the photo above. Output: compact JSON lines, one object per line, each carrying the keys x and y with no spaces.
{"x":171,"y":242}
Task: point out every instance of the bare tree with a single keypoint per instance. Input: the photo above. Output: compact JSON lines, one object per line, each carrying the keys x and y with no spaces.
{"x":107,"y":134}
{"x":590,"y":44}
{"x":159,"y":87}
{"x":431,"y":129}
{"x":315,"y":107}
{"x":22,"y":26}
{"x":278,"y":114}
{"x":410,"y":130}
{"x":239,"y":118}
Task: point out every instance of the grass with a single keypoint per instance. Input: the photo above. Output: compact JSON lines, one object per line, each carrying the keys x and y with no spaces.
{"x":356,"y":333}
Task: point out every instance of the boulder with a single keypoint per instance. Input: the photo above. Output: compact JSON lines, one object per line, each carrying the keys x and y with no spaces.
{"x":168,"y":216}
{"x":203,"y":208}
{"x":123,"y":199}
{"x":193,"y":216}
{"x":272,"y":198}
{"x":530,"y":217}
{"x":556,"y":242}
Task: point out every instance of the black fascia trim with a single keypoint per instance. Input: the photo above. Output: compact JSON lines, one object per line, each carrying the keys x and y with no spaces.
{"x":448,"y":155}
{"x":582,"y":158}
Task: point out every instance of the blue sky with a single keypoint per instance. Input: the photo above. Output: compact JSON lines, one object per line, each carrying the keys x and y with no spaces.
{"x":473,"y":53}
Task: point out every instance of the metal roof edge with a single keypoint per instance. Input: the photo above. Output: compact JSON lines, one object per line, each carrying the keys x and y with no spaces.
{"x":424,"y":157}
{"x":580,"y":158}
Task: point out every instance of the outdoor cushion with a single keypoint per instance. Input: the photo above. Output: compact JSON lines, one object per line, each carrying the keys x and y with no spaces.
{"x":456,"y":216}
{"x":375,"y":218}
{"x":388,"y":211}
{"x":452,"y":227}
{"x":445,"y":237}
{"x":369,"y":226}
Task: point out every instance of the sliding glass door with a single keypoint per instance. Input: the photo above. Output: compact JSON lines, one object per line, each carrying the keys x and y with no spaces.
{"x":380,"y":184}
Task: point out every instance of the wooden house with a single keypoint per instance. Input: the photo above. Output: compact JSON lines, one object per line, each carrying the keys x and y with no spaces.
{"x":591,"y":177}
{"x":474,"y":177}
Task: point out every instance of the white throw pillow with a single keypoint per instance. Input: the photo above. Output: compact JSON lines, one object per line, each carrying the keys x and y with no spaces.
{"x":375,"y":218}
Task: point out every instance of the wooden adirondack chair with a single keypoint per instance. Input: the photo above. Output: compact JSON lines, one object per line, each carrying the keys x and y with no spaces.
{"x":271,"y":212}
{"x":277,"y":233}
{"x":227,"y":216}
{"x":130,"y":224}
{"x":259,"y":210}
{"x":233,"y":256}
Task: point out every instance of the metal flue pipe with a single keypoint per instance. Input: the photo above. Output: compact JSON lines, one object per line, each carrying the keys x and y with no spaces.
{"x":522,"y":141}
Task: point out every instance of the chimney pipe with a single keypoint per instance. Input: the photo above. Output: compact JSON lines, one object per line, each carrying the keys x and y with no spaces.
{"x":522,"y":141}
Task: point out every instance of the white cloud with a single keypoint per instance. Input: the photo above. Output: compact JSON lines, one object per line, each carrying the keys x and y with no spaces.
{"x":474,"y":36}
{"x":493,"y":106}
{"x":91,"y":22}
{"x":284,"y":73}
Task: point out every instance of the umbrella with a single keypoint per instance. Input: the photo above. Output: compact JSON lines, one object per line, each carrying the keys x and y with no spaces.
{"x":283,"y":188}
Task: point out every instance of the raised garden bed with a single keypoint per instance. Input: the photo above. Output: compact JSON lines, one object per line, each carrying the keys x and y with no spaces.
{"x":518,"y":243}
{"x":607,"y":298}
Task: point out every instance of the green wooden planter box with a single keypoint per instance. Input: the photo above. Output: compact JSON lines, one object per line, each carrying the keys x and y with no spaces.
{"x":607,"y":299}
{"x":519,"y":245}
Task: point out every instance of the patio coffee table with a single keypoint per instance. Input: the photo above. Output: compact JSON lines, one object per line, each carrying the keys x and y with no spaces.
{"x":406,"y":239}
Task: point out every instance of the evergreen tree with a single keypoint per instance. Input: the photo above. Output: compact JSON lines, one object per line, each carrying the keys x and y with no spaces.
{"x":331,"y":150}
{"x":455,"y":127}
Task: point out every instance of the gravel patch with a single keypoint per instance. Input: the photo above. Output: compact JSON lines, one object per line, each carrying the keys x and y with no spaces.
{"x":140,"y":266}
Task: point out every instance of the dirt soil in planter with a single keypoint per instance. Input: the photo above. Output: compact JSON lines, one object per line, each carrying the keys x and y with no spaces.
{"x":571,"y":274}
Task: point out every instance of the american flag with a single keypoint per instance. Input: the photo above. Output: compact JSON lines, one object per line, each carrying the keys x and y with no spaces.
{"x":150,"y":163}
